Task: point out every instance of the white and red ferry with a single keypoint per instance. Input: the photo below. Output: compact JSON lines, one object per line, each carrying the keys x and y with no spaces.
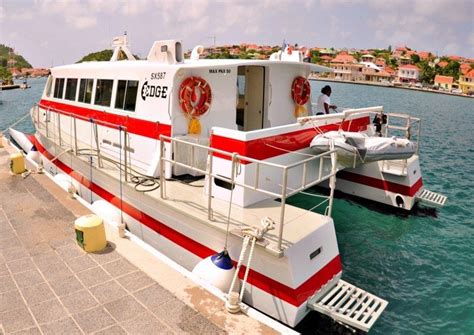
{"x":128,"y":135}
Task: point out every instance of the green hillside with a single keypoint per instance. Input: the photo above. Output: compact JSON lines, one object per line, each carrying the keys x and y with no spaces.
{"x":102,"y":56}
{"x":5,"y":56}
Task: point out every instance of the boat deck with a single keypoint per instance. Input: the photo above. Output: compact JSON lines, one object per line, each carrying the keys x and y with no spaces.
{"x":50,"y":285}
{"x":192,"y":201}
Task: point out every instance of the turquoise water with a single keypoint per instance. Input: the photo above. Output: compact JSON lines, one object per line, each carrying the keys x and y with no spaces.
{"x":422,"y":264}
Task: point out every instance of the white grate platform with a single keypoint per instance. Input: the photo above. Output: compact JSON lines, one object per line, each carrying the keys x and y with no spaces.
{"x":431,"y":198}
{"x":350,"y":305}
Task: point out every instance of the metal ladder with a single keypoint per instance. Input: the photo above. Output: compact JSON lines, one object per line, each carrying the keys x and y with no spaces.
{"x":349,"y":305}
{"x":431,"y":198}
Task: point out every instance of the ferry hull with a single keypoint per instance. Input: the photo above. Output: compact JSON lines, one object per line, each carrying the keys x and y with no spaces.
{"x":369,"y":181}
{"x":273,"y":282}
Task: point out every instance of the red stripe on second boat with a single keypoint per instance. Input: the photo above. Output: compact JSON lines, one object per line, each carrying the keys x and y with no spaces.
{"x":276,"y":145}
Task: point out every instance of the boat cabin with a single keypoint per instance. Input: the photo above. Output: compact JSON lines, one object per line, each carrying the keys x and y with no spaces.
{"x":232,"y":105}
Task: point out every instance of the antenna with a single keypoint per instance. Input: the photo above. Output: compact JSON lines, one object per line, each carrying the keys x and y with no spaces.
{"x":213,"y":38}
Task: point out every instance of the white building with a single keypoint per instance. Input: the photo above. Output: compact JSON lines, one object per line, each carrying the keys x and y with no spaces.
{"x":408,"y":73}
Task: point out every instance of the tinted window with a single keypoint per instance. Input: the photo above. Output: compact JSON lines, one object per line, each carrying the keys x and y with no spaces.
{"x":126,"y":95}
{"x":85,"y":90}
{"x":58,"y":88}
{"x":103,"y":92}
{"x":71,"y":89}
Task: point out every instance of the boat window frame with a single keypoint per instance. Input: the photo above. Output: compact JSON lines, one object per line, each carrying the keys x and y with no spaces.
{"x":60,"y":82}
{"x":66,"y":89}
{"x":96,"y":91}
{"x":87,"y":81}
{"x":124,"y":98}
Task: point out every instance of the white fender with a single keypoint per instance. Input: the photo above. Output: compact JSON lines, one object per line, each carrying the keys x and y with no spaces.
{"x":218,"y":271}
{"x":107,"y":212}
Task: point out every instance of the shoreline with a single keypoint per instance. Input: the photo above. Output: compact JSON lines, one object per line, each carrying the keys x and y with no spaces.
{"x":366,"y":83}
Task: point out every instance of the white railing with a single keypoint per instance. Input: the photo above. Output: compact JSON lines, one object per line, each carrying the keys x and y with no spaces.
{"x":123,"y":132}
{"x":237,"y":159}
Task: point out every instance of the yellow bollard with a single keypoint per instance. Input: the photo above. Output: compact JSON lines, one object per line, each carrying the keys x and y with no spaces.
{"x":17,"y":163}
{"x":90,"y":233}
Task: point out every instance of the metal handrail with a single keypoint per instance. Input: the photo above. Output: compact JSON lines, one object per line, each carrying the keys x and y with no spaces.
{"x":94,"y":124}
{"x":236,"y":159}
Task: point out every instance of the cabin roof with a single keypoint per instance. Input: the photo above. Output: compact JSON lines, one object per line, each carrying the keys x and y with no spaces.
{"x":201,"y":63}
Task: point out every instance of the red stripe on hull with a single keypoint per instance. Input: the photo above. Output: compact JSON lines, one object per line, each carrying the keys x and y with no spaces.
{"x":272,"y":146}
{"x":293,"y":296}
{"x":381,"y":184}
{"x":133,"y":125}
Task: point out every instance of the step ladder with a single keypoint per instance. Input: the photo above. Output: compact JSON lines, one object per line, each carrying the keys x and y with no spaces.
{"x":431,"y":198}
{"x":349,"y":305}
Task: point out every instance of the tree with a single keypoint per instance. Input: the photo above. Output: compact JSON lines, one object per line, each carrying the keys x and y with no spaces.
{"x":427,"y":73}
{"x":103,"y":56}
{"x":452,"y":69}
{"x":5,"y":75}
{"x":315,"y":57}
{"x":393,"y":63}
{"x":415,"y":58}
{"x":389,"y":48}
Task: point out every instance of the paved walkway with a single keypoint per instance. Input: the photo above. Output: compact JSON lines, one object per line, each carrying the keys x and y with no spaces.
{"x":48,"y":285}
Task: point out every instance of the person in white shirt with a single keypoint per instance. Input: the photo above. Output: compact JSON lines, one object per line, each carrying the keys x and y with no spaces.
{"x":324,"y":102}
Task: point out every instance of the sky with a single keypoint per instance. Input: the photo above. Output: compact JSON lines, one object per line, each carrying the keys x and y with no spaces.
{"x":57,"y":32}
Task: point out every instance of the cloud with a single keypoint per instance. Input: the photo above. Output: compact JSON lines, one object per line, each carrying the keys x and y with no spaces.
{"x":82,"y":22}
{"x":75,"y":12}
{"x":2,"y":13}
{"x":105,"y":6}
{"x":451,"y":49}
{"x":134,"y":7}
{"x":336,"y":29}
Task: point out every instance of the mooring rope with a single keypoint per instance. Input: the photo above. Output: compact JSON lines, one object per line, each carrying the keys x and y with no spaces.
{"x":16,"y":122}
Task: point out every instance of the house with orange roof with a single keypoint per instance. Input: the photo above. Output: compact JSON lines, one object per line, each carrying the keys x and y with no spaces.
{"x":390,"y":71}
{"x":456,"y":58}
{"x":445,"y":82}
{"x":464,"y":68}
{"x":380,"y":62}
{"x":326,"y":59}
{"x":344,"y":57}
{"x":345,"y":67}
{"x":408,"y":73}
{"x":424,"y":55}
{"x":400,"y":51}
{"x":443,"y":64}
{"x":466,"y":82}
{"x":252,"y":46}
{"x":370,"y":74}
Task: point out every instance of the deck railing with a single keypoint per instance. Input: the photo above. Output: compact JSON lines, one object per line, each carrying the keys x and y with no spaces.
{"x":123,"y":132}
{"x":254,"y":185}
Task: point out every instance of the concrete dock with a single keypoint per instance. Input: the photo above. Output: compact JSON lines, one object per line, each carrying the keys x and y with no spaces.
{"x":49,"y":285}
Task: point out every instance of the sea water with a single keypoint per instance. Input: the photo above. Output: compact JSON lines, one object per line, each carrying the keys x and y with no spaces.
{"x":422,"y":263}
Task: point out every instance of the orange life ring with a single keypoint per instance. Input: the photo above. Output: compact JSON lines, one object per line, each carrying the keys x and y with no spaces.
{"x":195,"y":96}
{"x":300,"y":91}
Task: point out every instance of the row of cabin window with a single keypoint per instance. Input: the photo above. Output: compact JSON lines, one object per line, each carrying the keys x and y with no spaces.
{"x":125,"y":98}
